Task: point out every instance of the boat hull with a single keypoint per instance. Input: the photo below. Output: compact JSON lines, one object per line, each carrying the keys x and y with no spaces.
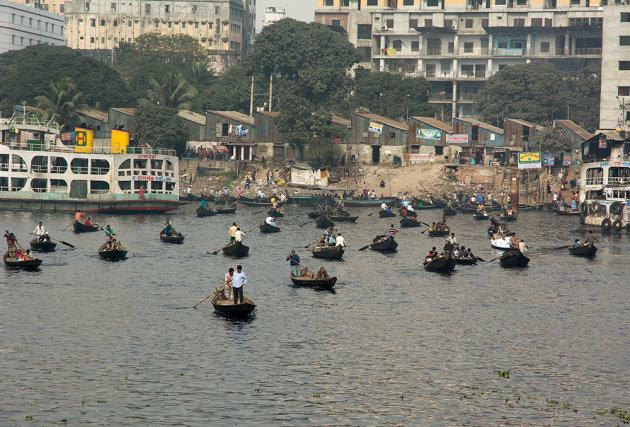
{"x":229,"y":309}
{"x":385,"y":245}
{"x":584,"y":250}
{"x":38,"y":246}
{"x":334,"y":252}
{"x":513,"y":259}
{"x":367,"y":203}
{"x":310,"y":281}
{"x":176,"y":238}
{"x":324,"y":222}
{"x":386,"y":214}
{"x":439,"y":233}
{"x":203,"y":212}
{"x":408,"y":222}
{"x":32,"y":264}
{"x":266,"y":228}
{"x":236,"y":250}
{"x":441,"y":263}
{"x":79,"y":227}
{"x":115,"y":254}
{"x":112,"y":207}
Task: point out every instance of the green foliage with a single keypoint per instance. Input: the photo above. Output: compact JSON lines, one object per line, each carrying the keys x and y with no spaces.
{"x":390,"y":94}
{"x":62,"y":103}
{"x":312,"y":57}
{"x":231,"y":91}
{"x":583,"y":97}
{"x":177,"y":48}
{"x":534,"y":92}
{"x":159,"y":126}
{"x":171,"y":90}
{"x":28,"y":73}
{"x":322,"y":147}
{"x":296,"y":122}
{"x":552,"y":140}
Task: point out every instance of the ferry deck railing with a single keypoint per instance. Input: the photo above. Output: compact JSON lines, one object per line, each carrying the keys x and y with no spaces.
{"x":94,"y":150}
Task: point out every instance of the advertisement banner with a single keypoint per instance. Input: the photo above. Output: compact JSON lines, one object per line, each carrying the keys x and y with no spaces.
{"x":376,"y":128}
{"x":420,"y":158}
{"x":566,"y":161}
{"x":432,"y":134}
{"x":529,"y":161}
{"x":83,"y":140}
{"x":548,"y":159}
{"x":457,"y":139}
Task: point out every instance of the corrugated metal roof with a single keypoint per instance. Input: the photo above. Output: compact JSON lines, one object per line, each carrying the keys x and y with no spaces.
{"x":269,"y":113}
{"x":385,"y":121}
{"x":610,"y":134}
{"x":128,"y":111}
{"x":435,"y":123}
{"x":95,"y":113}
{"x":481,"y":125}
{"x":523,"y":123}
{"x":575,"y":128}
{"x":191,"y":116}
{"x":341,"y":121}
{"x":236,"y":116}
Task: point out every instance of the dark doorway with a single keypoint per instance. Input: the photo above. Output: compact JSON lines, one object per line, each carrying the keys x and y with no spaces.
{"x":376,"y":154}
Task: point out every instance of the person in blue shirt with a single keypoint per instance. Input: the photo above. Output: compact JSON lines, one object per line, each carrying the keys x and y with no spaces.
{"x":577,"y":243}
{"x":110,"y":236}
{"x":294,"y":260}
{"x":480,"y":198}
{"x":202,"y":205}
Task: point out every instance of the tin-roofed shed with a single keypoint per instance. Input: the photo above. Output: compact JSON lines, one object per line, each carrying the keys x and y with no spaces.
{"x":379,"y":139}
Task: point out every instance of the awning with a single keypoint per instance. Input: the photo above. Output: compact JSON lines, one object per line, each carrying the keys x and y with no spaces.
{"x":221,"y":148}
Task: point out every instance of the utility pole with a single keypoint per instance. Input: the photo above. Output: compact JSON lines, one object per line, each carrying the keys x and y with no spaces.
{"x":251,"y":99}
{"x":270,"y":91}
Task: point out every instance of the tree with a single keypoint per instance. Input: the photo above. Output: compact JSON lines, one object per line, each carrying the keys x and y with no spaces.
{"x":311,"y":58}
{"x":28,"y":73}
{"x":200,"y":75}
{"x":296,"y":122}
{"x":159,"y":126}
{"x":533,"y":92}
{"x":171,"y":90}
{"x":583,"y":97}
{"x":552,"y":140}
{"x":390,"y":95}
{"x":62,"y":103}
{"x":322,"y":146}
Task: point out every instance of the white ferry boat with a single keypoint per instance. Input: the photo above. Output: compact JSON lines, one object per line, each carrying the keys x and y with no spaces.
{"x":38,"y":171}
{"x":605,"y":182}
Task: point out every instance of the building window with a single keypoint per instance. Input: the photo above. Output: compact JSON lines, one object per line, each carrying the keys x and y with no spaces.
{"x":129,"y":23}
{"x":397,"y":44}
{"x":625,"y":16}
{"x":623,"y":90}
{"x":499,"y":2}
{"x":372,"y":2}
{"x":536,"y":22}
{"x":575,"y":2}
{"x":102,"y":22}
{"x":468,"y":47}
{"x":196,"y":24}
{"x":519,"y":22}
{"x":92,"y":40}
{"x":30,"y":22}
{"x":217,"y":10}
{"x":113,"y":7}
{"x":364,"y":31}
{"x":147,"y":8}
{"x":167,"y":8}
{"x":469,"y":23}
{"x":92,"y":22}
{"x":115,"y":23}
{"x":433,"y":3}
{"x":157,"y":24}
{"x":13,"y":39}
{"x":87,"y":6}
{"x":413,"y":23}
{"x":521,"y":2}
{"x":194,"y":8}
{"x":624,"y":65}
{"x":389,"y":23}
{"x":451,"y":47}
{"x":62,"y":9}
{"x":407,"y":2}
{"x":624,"y":40}
{"x":183,"y":24}
{"x":328,"y":3}
{"x":544,"y":47}
{"x":336,"y":22}
{"x":448,"y":23}
{"x":102,"y":40}
{"x":415,"y":46}
{"x":428,"y":23}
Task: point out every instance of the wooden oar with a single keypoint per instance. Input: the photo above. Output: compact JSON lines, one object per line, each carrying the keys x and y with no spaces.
{"x":372,"y":213}
{"x":494,"y":259}
{"x":561,"y":247}
{"x":55,"y":240}
{"x":422,"y":232}
{"x":301,"y":265}
{"x":254,"y":228}
{"x":68,"y":226}
{"x":116,"y":239}
{"x":217,"y":290}
{"x":302,"y":225}
{"x":217,"y":251}
{"x":372,"y":244}
{"x":309,"y":245}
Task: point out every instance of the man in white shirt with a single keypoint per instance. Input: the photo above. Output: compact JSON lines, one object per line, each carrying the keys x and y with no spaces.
{"x":340,"y":241}
{"x":522,"y":246}
{"x":233,"y":229}
{"x":269,"y":220}
{"x":238,"y":281}
{"x":39,"y":231}
{"x":238,"y":235}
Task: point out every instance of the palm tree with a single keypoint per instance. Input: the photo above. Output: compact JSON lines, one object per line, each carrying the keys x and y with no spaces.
{"x":62,"y":103}
{"x":172,"y":90}
{"x":200,"y":75}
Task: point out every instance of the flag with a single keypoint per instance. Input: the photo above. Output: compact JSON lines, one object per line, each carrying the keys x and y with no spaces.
{"x":66,"y":136}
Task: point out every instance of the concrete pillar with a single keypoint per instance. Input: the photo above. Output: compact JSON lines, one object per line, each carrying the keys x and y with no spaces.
{"x":454,"y":100}
{"x":515,"y":193}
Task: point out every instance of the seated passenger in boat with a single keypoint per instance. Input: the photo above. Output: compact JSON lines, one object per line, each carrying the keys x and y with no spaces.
{"x":322,"y":273}
{"x":168,"y":228}
{"x":577,"y":243}
{"x":432,"y":254}
{"x":88,"y":222}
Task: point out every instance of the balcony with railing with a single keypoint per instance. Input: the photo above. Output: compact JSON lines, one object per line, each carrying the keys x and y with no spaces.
{"x":476,"y":51}
{"x":508,"y":51}
{"x":440,"y":97}
{"x":480,"y":74}
{"x":433,"y":51}
{"x":588,"y":51}
{"x":595,"y":181}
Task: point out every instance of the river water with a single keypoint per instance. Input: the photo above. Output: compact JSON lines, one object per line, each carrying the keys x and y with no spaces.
{"x":95,"y":342}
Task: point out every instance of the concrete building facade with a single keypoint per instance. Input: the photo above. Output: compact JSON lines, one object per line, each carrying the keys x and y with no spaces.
{"x":458,"y":44}
{"x":22,"y":26}
{"x":273,"y":14}
{"x":225,"y":27}
{"x":615,"y":91}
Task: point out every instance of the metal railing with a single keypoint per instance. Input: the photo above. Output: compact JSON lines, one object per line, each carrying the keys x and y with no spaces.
{"x":618,"y":180}
{"x":479,"y":51}
{"x":58,"y":169}
{"x":28,"y":122}
{"x":588,"y":51}
{"x":505,"y":51}
{"x":594,"y":181}
{"x":39,"y":168}
{"x":96,"y":150}
{"x":433,"y":51}
{"x":4,"y":166}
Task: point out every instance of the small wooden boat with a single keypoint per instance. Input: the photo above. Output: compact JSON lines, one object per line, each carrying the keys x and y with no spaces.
{"x":385,"y":244}
{"x":260,"y":204}
{"x":324,"y":222}
{"x":467,"y":261}
{"x":268,"y":228}
{"x":275,"y":213}
{"x":315,"y":214}
{"x":410,"y":213}
{"x":226,"y":307}
{"x":410,"y":222}
{"x":343,"y":218}
{"x":236,"y":250}
{"x":567,"y":212}
{"x":445,"y":231}
{"x":312,"y":281}
{"x":449,"y":211}
{"x":117,"y":252}
{"x":505,"y":217}
{"x":468,"y":208}
{"x":587,"y":250}
{"x":513,"y":258}
{"x":79,"y":227}
{"x":440,"y":263}
{"x":329,"y":252}
{"x":480,"y":216}
{"x":225,"y":211}
{"x":366,"y":203}
{"x":221,"y":200}
{"x":44,"y":246}
{"x":202,"y":212}
{"x":386,"y":214}
{"x":30,"y":264}
{"x":176,"y":238}
{"x":502,"y":244}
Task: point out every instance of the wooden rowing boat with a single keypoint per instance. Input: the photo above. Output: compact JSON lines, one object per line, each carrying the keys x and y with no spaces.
{"x":117,"y":252}
{"x":176,"y":238}
{"x":410,"y":222}
{"x":227,"y":307}
{"x":445,"y":231}
{"x":260,"y":204}
{"x":225,"y":211}
{"x":587,"y":250}
{"x":315,"y":214}
{"x":366,"y":203}
{"x":44,"y":246}
{"x":441,"y":263}
{"x":386,"y":214}
{"x":79,"y":227}
{"x":449,"y":211}
{"x":236,"y":250}
{"x":203,"y":212}
{"x":467,"y":261}
{"x":508,"y":218}
{"x":343,"y":218}
{"x":30,"y":264}
{"x":502,"y":244}
{"x":312,"y":281}
{"x":385,"y":244}
{"x":324,"y":222}
{"x":513,"y":258}
{"x":480,"y":216}
{"x":327,"y":252}
{"x":268,"y":228}
{"x":275,"y":213}
{"x":413,"y":214}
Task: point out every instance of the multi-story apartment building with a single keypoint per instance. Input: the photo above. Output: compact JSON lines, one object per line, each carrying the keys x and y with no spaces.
{"x":226,"y":27}
{"x":458,"y":44}
{"x":273,"y":14}
{"x":52,"y":6}
{"x":22,"y":26}
{"x":614,"y":110}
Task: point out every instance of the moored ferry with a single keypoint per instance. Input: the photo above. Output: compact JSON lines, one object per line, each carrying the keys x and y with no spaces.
{"x":605,"y":181}
{"x":39,"y":171}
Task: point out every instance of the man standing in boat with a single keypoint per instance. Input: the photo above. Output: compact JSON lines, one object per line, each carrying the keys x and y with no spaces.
{"x":78,"y":215}
{"x":238,"y":235}
{"x":11,"y":241}
{"x":238,"y":281}
{"x":233,"y":229}
{"x":110,"y":236}
{"x":295,"y":263}
{"x":40,"y":232}
{"x":227,"y":292}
